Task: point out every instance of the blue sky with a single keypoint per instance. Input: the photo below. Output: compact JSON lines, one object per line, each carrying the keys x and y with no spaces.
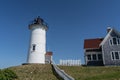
{"x":70,"y":22}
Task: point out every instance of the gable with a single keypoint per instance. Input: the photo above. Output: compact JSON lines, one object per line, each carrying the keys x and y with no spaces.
{"x":111,"y":33}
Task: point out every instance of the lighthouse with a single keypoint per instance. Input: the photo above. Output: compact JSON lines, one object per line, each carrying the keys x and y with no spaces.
{"x":37,"y":46}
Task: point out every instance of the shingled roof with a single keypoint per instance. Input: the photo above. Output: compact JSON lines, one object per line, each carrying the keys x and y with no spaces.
{"x":92,"y":43}
{"x":49,"y":53}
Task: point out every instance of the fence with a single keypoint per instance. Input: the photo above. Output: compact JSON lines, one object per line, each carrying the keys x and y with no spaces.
{"x":70,"y":62}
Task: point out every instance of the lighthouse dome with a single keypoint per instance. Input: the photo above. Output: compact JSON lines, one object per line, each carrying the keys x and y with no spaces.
{"x":38,"y":22}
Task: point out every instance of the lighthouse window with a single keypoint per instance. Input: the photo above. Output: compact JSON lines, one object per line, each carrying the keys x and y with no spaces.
{"x":34,"y":46}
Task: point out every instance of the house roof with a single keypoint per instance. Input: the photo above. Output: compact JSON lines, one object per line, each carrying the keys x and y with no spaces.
{"x":96,"y":43}
{"x":92,"y":43}
{"x":49,"y":53}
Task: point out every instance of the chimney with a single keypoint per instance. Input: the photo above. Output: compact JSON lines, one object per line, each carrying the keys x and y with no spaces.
{"x":108,"y":29}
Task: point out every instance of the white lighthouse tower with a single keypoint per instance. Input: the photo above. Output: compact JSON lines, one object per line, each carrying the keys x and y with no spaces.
{"x":37,"y":47}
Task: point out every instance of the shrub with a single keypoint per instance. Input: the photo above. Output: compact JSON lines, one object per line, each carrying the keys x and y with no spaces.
{"x":7,"y":74}
{"x":2,"y":76}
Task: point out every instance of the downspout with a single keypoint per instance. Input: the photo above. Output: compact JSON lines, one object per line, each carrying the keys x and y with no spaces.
{"x":85,"y":57}
{"x":103,"y":56}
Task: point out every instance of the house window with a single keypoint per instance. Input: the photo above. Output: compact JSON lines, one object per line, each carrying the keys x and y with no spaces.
{"x":115,"y":55}
{"x":94,"y":57}
{"x":111,"y":42}
{"x":118,"y":40}
{"x":99,"y":56}
{"x":33,"y":47}
{"x":112,"y":55}
{"x":88,"y":57}
{"x":114,"y":41}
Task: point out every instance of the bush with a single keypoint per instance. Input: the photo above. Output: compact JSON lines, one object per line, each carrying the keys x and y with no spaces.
{"x":2,"y":76}
{"x":7,"y":74}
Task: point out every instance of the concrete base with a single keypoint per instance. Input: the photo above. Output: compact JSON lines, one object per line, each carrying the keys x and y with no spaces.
{"x":31,"y":63}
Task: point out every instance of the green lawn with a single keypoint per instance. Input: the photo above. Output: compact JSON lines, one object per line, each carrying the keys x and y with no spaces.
{"x":34,"y":72}
{"x":93,"y":73}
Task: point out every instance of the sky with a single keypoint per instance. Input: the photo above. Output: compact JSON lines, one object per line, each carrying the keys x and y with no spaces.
{"x":69,"y":22}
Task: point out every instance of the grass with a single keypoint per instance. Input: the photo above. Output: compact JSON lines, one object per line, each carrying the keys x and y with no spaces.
{"x":93,"y":73}
{"x":34,"y":72}
{"x":45,"y":72}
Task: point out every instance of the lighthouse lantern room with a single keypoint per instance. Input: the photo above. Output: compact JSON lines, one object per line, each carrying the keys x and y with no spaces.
{"x":37,"y":46}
